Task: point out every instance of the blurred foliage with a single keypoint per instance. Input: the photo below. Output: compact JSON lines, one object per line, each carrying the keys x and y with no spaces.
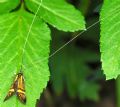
{"x":74,"y":69}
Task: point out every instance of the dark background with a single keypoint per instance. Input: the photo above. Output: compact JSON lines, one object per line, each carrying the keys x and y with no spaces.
{"x":77,"y":79}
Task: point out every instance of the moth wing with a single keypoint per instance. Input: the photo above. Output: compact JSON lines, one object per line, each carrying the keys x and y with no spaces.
{"x":21,"y":96}
{"x":21,"y":89}
{"x":12,"y":89}
{"x":10,"y":93}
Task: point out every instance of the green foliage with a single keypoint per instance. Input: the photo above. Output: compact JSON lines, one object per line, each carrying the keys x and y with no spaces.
{"x":8,"y":5}
{"x":110,"y":38}
{"x":59,"y":14}
{"x":14,"y":28}
{"x":89,"y":90}
{"x":69,"y":70}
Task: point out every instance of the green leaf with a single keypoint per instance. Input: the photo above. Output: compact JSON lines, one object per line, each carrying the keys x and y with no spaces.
{"x":110,"y":38}
{"x":58,"y":13}
{"x":13,"y":31}
{"x":89,"y":90}
{"x":8,"y":5}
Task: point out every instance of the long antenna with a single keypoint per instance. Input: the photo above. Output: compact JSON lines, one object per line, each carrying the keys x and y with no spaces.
{"x":64,"y":45}
{"x":28,"y":34}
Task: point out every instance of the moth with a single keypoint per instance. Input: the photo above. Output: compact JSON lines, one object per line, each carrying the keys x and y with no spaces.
{"x":18,"y":88}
